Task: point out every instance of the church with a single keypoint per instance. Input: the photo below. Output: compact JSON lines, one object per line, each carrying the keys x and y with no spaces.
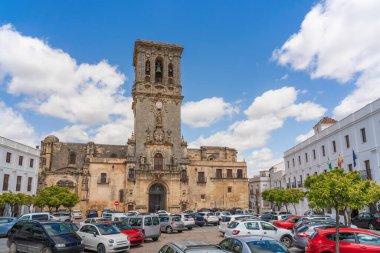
{"x":155,"y":169}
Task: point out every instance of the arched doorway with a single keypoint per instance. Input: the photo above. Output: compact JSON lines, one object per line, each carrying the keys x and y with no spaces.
{"x":157,"y":198}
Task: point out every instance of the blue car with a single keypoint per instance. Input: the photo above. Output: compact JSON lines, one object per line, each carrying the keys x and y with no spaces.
{"x":5,"y":224}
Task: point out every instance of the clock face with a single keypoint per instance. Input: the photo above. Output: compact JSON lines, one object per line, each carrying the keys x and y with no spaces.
{"x":158,"y":105}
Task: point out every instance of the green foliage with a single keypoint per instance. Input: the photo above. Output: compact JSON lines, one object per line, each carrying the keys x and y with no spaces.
{"x":280,"y":197}
{"x":56,"y":196}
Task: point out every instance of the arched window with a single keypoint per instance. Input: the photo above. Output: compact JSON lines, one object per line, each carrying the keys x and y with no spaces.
{"x":170,"y":70}
{"x":147,"y":68}
{"x":72,"y":158}
{"x":158,"y":71}
{"x":158,"y":162}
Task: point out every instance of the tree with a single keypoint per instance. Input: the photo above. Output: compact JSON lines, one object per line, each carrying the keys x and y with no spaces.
{"x":69,"y":200}
{"x":293,"y":196}
{"x":12,"y":200}
{"x":339,"y":190}
{"x":56,"y":196}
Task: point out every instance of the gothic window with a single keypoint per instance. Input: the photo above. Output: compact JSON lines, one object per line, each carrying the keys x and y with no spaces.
{"x":158,"y":162}
{"x":147,"y":68}
{"x":72,"y":158}
{"x":170,"y":70}
{"x":158,"y":71}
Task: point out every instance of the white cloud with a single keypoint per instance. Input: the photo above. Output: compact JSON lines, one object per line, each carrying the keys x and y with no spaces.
{"x":304,"y":137}
{"x":284,"y":77}
{"x":13,"y":126}
{"x":205,"y":112}
{"x":266,"y":113}
{"x":339,"y":40}
{"x":262,"y":159}
{"x":54,"y":84}
{"x":74,"y":133}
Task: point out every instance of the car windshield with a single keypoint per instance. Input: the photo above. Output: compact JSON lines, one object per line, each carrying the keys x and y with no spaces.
{"x":135,"y":221}
{"x":226,"y":219}
{"x":176,"y":218}
{"x":233,"y":224}
{"x":107,"y":229}
{"x":285,"y":218}
{"x":266,"y":246}
{"x":201,"y":214}
{"x":54,"y":229}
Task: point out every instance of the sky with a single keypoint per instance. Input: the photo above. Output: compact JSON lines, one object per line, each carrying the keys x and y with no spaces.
{"x":256,"y":75}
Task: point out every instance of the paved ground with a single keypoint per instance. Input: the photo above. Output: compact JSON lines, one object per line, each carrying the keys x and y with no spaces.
{"x":209,"y":234}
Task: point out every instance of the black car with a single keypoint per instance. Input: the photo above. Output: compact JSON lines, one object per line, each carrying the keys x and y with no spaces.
{"x":46,"y":237}
{"x":367,"y":220}
{"x":198,"y":219}
{"x":267,"y":217}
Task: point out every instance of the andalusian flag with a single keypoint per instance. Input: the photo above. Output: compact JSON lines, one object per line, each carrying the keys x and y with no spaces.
{"x":329,"y":163}
{"x":340,"y":161}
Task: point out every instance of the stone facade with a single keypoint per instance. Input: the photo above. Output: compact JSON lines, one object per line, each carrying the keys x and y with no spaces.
{"x":155,"y":170}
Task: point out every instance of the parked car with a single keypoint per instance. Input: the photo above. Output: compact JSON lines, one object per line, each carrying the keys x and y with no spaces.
{"x":34,"y":236}
{"x":351,"y":240}
{"x":187,"y":220}
{"x":76,"y":214}
{"x":229,"y":218}
{"x":266,"y":216}
{"x":312,"y":212}
{"x":210,"y":218}
{"x":307,"y":220}
{"x":288,"y":223}
{"x":103,"y":238}
{"x":252,"y":244}
{"x":93,"y":220}
{"x":279,"y":217}
{"x":198,"y":219}
{"x":162,"y":212}
{"x":220,"y":214}
{"x":171,"y":223}
{"x":259,"y":228}
{"x":301,"y":236}
{"x":367,"y":220}
{"x":38,"y":216}
{"x":182,"y":247}
{"x":91,"y":214}
{"x":149,"y":225}
{"x":114,"y":216}
{"x":5,"y":224}
{"x":63,"y":216}
{"x":135,"y":236}
{"x":73,"y":226}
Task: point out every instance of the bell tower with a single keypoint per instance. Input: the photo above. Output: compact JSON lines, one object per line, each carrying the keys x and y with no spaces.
{"x":157,"y":98}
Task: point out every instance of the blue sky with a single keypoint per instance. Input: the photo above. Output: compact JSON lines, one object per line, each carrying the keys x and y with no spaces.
{"x":256,"y":74}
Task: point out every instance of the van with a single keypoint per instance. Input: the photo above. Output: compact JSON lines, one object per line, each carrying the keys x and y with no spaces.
{"x":114,"y":216}
{"x":38,"y":216}
{"x":149,"y":225}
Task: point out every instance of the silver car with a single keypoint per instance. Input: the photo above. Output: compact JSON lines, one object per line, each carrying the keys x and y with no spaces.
{"x":250,"y":244}
{"x":172,"y":223}
{"x":182,"y":247}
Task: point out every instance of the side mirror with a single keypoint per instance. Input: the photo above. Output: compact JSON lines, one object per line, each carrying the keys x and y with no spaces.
{"x":94,"y":233}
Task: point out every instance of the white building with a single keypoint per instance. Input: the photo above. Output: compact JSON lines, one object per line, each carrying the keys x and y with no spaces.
{"x":358,"y":132}
{"x":257,"y":185}
{"x":276,"y":176}
{"x":18,"y":170}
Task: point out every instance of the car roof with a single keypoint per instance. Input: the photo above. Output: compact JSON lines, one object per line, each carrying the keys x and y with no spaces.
{"x":249,"y":238}
{"x":353,"y":230}
{"x":191,"y":246}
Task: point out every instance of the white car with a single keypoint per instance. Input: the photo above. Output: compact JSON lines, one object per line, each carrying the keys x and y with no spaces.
{"x":210,"y":218}
{"x":260,"y":228}
{"x":229,"y":218}
{"x":76,"y":214}
{"x":103,"y":238}
{"x":220,"y":214}
{"x":188,"y":220}
{"x":93,"y":220}
{"x":132,"y":213}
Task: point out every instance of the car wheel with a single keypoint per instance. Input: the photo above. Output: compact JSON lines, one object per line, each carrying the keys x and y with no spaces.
{"x":13,"y":248}
{"x":155,"y":239}
{"x":46,"y":250}
{"x":370,"y":226}
{"x":169,"y":229}
{"x":101,"y":248}
{"x":286,"y":241}
{"x":179,"y":231}
{"x":189,"y":228}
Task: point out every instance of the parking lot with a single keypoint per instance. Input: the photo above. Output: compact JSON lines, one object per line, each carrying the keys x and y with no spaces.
{"x":208,"y":234}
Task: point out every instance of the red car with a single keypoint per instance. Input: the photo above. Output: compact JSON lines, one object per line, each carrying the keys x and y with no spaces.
{"x":351,"y":240}
{"x":287,"y":223}
{"x":135,"y":236}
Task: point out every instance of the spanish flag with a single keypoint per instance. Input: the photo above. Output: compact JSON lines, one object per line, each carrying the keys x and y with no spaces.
{"x":340,"y":161}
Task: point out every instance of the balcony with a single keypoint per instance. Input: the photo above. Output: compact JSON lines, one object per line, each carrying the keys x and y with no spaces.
{"x":294,"y":185}
{"x":103,"y":180}
{"x":132,"y":177}
{"x":287,"y":185}
{"x":202,"y":180}
{"x":299,"y":184}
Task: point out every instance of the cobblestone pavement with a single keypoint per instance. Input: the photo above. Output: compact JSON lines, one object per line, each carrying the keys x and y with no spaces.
{"x":209,"y":234}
